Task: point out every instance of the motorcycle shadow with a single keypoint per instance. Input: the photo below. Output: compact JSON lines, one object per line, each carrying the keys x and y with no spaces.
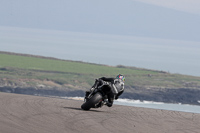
{"x":73,"y":108}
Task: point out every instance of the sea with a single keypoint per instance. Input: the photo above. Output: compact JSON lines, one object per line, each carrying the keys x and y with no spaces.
{"x":153,"y":105}
{"x":159,"y":105}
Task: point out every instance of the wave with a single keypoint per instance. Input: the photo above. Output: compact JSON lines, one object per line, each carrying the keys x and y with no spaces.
{"x":120,"y":100}
{"x":151,"y":104}
{"x":124,"y":100}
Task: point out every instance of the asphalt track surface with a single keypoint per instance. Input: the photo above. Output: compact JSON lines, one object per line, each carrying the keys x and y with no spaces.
{"x":34,"y":114}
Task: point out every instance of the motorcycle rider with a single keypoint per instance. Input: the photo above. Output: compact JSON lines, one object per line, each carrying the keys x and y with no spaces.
{"x":116,"y":86}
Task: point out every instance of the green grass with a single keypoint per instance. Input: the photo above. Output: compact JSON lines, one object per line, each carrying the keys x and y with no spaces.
{"x":25,"y":62}
{"x":83,"y":74}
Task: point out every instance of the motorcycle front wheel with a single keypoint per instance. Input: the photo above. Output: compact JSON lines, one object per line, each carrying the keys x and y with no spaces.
{"x":92,"y":102}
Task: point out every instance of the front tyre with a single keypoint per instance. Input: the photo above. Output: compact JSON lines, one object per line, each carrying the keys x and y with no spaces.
{"x":92,"y":102}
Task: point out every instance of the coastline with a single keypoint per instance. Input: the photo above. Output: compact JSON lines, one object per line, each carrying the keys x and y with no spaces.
{"x":151,"y":105}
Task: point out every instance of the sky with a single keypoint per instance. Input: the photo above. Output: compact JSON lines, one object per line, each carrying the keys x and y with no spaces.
{"x":190,"y":6}
{"x":177,"y":19}
{"x":155,"y":34}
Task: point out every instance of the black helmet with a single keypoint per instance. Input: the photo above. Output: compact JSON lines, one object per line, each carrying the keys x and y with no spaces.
{"x":122,"y":77}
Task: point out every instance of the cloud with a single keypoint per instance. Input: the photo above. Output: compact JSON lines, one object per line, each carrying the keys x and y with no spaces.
{"x":191,"y":6}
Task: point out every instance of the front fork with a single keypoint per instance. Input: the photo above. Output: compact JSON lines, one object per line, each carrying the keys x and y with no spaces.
{"x":89,"y":95}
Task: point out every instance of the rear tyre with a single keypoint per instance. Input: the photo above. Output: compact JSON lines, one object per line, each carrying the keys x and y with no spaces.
{"x":92,"y":101}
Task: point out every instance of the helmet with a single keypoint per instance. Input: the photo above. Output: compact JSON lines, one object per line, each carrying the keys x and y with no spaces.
{"x":122,"y":77}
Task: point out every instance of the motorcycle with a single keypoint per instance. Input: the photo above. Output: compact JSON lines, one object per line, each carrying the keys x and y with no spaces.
{"x":97,"y":97}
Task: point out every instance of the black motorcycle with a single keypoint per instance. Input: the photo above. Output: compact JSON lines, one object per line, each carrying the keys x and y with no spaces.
{"x":97,"y":97}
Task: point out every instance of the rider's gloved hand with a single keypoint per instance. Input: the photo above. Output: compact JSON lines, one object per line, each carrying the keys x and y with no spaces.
{"x":98,"y":80}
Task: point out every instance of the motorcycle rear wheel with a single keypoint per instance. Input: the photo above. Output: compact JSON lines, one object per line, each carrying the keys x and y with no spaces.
{"x":92,"y":101}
